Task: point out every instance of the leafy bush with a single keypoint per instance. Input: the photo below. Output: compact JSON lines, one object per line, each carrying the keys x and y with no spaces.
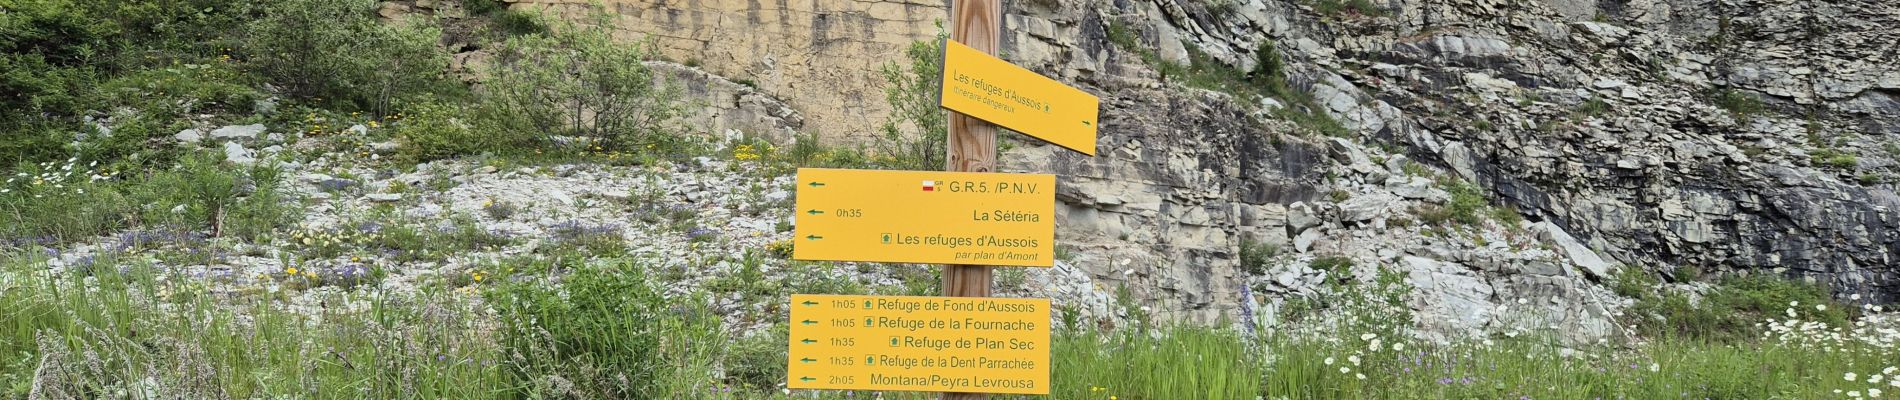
{"x":517,"y":23}
{"x":214,"y":195}
{"x":1467,"y":202}
{"x":1739,"y":104}
{"x":433,"y":130}
{"x":1591,"y":108}
{"x":758,"y":361}
{"x":605,"y":332}
{"x":50,"y":52}
{"x":335,"y":52}
{"x":916,"y":132}
{"x":1355,"y":7}
{"x":56,"y":54}
{"x":578,"y":81}
{"x":1338,"y":266}
{"x":1507,"y":216}
{"x":1833,"y":158}
{"x":1256,"y":256}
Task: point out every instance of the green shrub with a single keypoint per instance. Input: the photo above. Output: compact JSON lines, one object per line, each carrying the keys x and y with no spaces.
{"x":1256,"y":257}
{"x":436,"y":130}
{"x":1356,"y":7}
{"x":1739,"y":104}
{"x":758,"y":362}
{"x":1830,"y":157}
{"x":483,"y":7}
{"x":578,"y":81}
{"x":1467,"y":202}
{"x":1634,"y":283}
{"x":1591,"y":108}
{"x":915,"y":133}
{"x":518,"y":23}
{"x":217,"y":196}
{"x":1507,"y":216}
{"x":605,"y":332}
{"x":50,"y":55}
{"x":56,"y":54}
{"x":155,"y":104}
{"x":1338,"y":266}
{"x":335,"y":52}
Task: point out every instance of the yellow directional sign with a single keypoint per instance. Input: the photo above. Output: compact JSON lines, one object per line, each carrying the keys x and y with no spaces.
{"x":925,"y":217}
{"x":931,"y":344}
{"x":990,"y":89}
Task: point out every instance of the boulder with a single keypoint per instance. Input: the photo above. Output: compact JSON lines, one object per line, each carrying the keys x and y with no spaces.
{"x":1579,"y":255}
{"x":236,"y":153}
{"x":1366,"y":206}
{"x":238,"y":132}
{"x":189,"y":136}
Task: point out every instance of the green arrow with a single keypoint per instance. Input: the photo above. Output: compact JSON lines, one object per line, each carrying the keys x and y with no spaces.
{"x":809,"y":303}
{"x":808,"y":322}
{"x":807,"y":379}
{"x":814,"y":237}
{"x":1087,"y":123}
{"x":808,"y":360}
{"x":808,"y":341}
{"x":817,"y":184}
{"x":815,"y":212}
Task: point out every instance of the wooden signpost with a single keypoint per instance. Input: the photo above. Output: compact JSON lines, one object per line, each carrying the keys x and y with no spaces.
{"x":965,"y":217}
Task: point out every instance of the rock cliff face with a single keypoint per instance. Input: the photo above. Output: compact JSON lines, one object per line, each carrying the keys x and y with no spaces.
{"x":1724,"y":136}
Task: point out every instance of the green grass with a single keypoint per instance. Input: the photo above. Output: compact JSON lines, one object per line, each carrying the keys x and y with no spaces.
{"x":1729,"y":313}
{"x":1739,"y":104}
{"x":1267,"y":79}
{"x":1833,"y":158}
{"x":1354,"y":7}
{"x":1591,"y":108}
{"x":607,"y":322}
{"x":148,"y":325}
{"x":63,"y":202}
{"x":1193,"y":363}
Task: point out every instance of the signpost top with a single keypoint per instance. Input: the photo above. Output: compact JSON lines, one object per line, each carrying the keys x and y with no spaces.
{"x":988,"y":88}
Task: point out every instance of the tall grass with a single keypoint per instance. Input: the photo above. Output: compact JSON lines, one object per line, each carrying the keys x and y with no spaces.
{"x":129,"y":329}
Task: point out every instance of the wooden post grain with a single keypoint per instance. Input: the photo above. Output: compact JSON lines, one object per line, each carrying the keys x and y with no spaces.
{"x":972,"y":142}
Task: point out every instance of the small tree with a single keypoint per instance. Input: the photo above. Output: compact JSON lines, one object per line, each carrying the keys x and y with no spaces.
{"x":336,"y":51}
{"x":577,"y":80}
{"x":917,"y":128}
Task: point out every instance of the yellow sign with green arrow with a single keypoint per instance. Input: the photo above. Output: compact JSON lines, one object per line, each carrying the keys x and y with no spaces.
{"x":987,"y":88}
{"x":933,"y":344}
{"x":925,"y":217}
